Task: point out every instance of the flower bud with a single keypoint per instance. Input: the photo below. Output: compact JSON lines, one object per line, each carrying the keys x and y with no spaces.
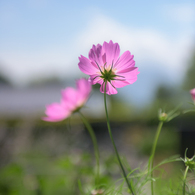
{"x":162,"y":116}
{"x":190,"y":162}
{"x":96,"y":192}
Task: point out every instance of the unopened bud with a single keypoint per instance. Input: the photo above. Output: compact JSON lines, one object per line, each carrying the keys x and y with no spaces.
{"x":190,"y":162}
{"x":96,"y":192}
{"x":163,"y":116}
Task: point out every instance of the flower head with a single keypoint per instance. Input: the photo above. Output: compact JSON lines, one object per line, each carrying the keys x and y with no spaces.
{"x":192,"y":92}
{"x":72,"y":100}
{"x":106,"y":66}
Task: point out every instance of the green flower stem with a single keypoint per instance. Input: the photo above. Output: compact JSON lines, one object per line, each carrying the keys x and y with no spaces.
{"x":153,"y":153}
{"x":95,"y":145}
{"x":111,"y":137}
{"x":184,"y":180}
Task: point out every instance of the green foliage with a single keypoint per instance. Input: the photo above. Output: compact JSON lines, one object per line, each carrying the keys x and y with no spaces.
{"x":190,"y":79}
{"x":168,"y":141}
{"x":73,"y":172}
{"x":34,"y":173}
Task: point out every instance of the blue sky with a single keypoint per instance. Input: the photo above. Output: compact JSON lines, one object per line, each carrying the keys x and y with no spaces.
{"x":40,"y":38}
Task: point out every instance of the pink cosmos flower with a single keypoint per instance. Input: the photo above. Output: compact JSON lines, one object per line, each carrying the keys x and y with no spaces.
{"x":192,"y":92}
{"x":106,"y":66}
{"x":72,"y":100}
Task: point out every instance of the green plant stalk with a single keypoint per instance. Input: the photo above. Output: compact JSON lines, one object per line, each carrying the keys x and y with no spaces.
{"x":115,"y":149}
{"x":184,"y":180}
{"x":95,"y":145}
{"x":80,"y":187}
{"x":153,"y":153}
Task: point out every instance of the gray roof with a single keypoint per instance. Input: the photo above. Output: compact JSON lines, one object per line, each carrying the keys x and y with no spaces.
{"x":32,"y":101}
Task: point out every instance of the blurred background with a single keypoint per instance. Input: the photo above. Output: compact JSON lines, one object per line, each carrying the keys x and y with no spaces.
{"x":40,"y":42}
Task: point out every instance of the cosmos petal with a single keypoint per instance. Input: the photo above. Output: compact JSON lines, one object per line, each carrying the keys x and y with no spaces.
{"x":70,"y":96}
{"x":84,"y":90}
{"x":130,"y":76}
{"x":105,"y":65}
{"x":119,"y":83}
{"x":95,"y":55}
{"x":125,"y":61}
{"x":192,"y":92}
{"x":110,"y":89}
{"x":86,"y":66}
{"x":72,"y":100}
{"x":55,"y":112}
{"x":95,"y":79}
{"x":112,"y":51}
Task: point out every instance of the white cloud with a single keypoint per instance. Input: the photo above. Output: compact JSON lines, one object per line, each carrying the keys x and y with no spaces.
{"x":182,"y":13}
{"x":24,"y":66}
{"x":149,"y":46}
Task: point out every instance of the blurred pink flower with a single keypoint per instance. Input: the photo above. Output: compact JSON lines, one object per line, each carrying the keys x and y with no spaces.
{"x":105,"y":65}
{"x":192,"y":92}
{"x":72,"y":100}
